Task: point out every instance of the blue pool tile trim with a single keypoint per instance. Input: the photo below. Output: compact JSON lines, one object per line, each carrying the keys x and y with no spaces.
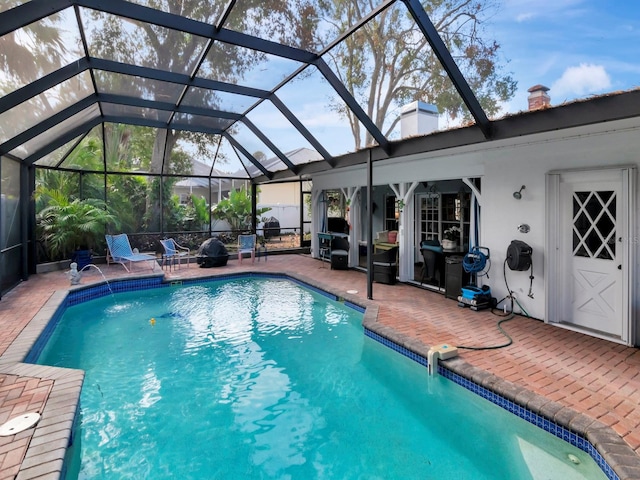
{"x":522,"y":412}
{"x":398,"y":348}
{"x":533,"y":418}
{"x":92,"y":292}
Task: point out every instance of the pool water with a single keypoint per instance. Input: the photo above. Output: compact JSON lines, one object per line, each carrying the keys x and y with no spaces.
{"x":264,"y":379}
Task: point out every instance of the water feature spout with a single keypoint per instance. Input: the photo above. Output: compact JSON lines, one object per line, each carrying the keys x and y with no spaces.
{"x":98,"y":269}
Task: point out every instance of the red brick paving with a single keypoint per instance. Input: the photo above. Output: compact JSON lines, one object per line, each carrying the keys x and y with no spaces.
{"x":18,"y":395}
{"x":592,"y":376}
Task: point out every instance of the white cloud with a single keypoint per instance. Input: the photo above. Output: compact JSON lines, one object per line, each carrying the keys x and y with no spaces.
{"x":579,"y":81}
{"x":523,"y":17}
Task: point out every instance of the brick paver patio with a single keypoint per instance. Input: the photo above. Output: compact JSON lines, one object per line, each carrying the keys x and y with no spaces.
{"x":594,"y":377}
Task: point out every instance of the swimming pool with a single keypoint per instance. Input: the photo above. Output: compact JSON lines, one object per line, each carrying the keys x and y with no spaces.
{"x":260,"y":378}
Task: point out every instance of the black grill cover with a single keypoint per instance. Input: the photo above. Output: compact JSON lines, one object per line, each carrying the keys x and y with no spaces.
{"x":212,"y":253}
{"x":271,"y":227}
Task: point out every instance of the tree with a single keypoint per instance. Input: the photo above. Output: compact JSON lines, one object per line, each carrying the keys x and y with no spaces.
{"x":67,"y":225}
{"x":87,"y":156}
{"x":389,"y":63}
{"x":31,"y":52}
{"x":146,"y":44}
{"x":127,"y":197}
{"x":200,"y":212}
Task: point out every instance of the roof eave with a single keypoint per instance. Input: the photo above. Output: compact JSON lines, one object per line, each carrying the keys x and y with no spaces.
{"x":601,"y":109}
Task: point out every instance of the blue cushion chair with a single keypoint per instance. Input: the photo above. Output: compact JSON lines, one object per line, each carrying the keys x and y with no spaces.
{"x":173,"y":253}
{"x":247,"y":244}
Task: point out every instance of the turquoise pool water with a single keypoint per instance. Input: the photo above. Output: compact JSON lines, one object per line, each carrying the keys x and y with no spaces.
{"x":264,"y":379}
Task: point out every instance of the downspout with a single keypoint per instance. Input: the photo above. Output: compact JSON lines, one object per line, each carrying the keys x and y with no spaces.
{"x":210,"y":200}
{"x":301,"y":216}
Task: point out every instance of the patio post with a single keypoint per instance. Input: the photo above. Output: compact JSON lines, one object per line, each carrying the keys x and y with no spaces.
{"x":370,"y":226}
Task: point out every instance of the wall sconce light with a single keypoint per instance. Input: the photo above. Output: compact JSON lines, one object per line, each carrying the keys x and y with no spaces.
{"x":399,"y":208}
{"x":518,"y":195}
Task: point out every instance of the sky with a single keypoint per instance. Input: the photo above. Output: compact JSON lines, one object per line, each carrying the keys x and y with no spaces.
{"x":576,"y":48}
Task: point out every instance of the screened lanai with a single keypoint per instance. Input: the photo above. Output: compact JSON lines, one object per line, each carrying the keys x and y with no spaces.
{"x":149,"y":114}
{"x":126,"y":102}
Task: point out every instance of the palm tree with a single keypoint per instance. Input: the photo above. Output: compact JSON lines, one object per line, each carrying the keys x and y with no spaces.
{"x":236,"y":210}
{"x":66,"y":226}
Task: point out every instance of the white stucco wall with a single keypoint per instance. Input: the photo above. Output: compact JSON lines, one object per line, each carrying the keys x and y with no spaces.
{"x":508,"y":168}
{"x":504,"y":167}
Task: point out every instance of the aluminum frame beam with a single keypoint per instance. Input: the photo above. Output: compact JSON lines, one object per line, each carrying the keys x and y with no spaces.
{"x":351,"y":102}
{"x":250,"y":157}
{"x":269,"y":144}
{"x":29,"y":12}
{"x":62,"y":139}
{"x":442,"y":52}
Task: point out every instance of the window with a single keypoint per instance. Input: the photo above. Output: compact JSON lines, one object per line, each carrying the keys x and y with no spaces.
{"x":390,"y":218}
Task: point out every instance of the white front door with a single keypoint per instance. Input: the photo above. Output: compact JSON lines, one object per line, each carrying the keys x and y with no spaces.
{"x":592,"y":253}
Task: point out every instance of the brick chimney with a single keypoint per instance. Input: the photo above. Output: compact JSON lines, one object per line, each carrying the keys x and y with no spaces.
{"x":538,"y":97}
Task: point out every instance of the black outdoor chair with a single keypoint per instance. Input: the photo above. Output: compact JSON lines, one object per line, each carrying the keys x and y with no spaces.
{"x":433,"y":266}
{"x":339,"y":253}
{"x":385,"y":266}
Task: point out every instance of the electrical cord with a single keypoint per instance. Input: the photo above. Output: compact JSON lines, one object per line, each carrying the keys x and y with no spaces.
{"x":508,"y":316}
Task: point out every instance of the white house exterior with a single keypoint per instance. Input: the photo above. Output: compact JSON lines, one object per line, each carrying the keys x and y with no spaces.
{"x":579,"y":201}
{"x":221,"y":184}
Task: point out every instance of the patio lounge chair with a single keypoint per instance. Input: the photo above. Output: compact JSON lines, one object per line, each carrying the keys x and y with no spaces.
{"x":119,"y":251}
{"x":247,"y":244}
